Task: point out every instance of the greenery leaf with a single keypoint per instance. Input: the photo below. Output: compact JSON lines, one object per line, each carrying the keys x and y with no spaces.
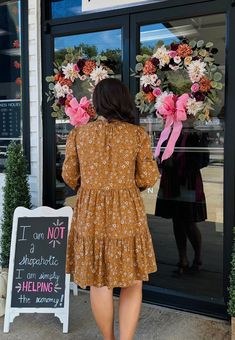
{"x":219,"y":86}
{"x":139,"y":67}
{"x":200,"y":43}
{"x":51,"y":86}
{"x":139,"y":58}
{"x":209,"y":44}
{"x":217,"y":76}
{"x":192,"y":43}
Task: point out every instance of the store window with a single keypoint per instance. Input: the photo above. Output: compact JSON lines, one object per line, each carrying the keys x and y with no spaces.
{"x":13,"y":79}
{"x":185,"y":209}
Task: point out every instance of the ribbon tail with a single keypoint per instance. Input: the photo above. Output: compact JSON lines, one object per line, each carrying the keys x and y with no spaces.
{"x":164,"y":136}
{"x":177,"y":127}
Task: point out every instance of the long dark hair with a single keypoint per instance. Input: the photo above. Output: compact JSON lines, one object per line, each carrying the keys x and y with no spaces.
{"x":112,"y":100}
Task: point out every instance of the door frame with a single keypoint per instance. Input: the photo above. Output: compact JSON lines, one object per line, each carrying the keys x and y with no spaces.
{"x":134,"y":17}
{"x":49,"y":138}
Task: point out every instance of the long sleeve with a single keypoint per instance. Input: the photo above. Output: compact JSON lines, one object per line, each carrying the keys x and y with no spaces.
{"x":71,"y":169}
{"x":146,"y":173}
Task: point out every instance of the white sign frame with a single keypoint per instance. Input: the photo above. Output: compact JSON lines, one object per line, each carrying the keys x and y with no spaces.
{"x":96,"y":5}
{"x":11,"y":312}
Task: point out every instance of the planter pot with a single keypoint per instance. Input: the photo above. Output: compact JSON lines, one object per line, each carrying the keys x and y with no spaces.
{"x":232,"y":328}
{"x":3,"y":290}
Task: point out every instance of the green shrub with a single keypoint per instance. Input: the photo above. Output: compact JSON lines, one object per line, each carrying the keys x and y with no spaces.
{"x":15,"y":193}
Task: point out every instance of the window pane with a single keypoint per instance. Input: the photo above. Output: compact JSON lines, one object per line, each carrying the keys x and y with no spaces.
{"x":10,"y":75}
{"x":185,"y":209}
{"x":65,"y":8}
{"x":108,"y":43}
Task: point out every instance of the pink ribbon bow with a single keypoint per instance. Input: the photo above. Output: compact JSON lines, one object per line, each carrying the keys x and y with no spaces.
{"x":77,"y":111}
{"x":173,"y":110}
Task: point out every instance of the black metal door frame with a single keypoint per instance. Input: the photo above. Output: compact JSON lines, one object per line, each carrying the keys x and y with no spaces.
{"x":131,"y":19}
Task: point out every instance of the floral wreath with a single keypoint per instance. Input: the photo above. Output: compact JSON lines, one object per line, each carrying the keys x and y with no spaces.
{"x":65,"y":86}
{"x":179,"y":81}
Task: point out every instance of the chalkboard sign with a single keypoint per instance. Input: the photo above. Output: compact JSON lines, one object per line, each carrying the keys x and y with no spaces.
{"x":37,"y":280}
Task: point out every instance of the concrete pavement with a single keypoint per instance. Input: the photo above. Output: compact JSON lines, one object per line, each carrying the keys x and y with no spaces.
{"x":156,"y":323}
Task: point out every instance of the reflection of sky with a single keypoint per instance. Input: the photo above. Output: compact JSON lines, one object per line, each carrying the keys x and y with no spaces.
{"x":65,"y":8}
{"x":151,"y":34}
{"x":102,"y":40}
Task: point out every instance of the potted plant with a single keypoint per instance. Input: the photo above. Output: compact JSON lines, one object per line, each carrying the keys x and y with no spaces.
{"x":16,"y":193}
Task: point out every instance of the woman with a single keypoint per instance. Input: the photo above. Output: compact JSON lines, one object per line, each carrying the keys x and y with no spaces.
{"x":110,"y":243}
{"x":181,"y":196}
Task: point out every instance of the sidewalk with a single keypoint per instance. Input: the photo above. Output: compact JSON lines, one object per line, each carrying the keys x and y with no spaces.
{"x":156,"y":323}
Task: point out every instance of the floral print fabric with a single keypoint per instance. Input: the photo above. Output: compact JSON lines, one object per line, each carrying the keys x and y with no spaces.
{"x":109,"y":242}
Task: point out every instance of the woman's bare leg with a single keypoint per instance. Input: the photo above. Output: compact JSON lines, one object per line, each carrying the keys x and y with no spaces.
{"x":103,"y":310}
{"x":129,"y":310}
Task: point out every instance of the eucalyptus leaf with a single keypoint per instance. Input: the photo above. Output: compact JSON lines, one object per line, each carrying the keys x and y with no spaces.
{"x":219,"y":86}
{"x":208,"y":59}
{"x":139,"y":58}
{"x":51,"y":86}
{"x":203,"y":53}
{"x":53,"y":114}
{"x":209,"y":44}
{"x":192,"y":43}
{"x":217,"y":76}
{"x":139,"y":67}
{"x":200,"y":43}
{"x":213,"y":68}
{"x":145,"y":57}
{"x":49,"y":79}
{"x":56,"y":71}
{"x":214,"y":84}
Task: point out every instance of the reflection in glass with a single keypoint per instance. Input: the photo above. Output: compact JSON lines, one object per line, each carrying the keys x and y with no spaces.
{"x":107,"y":43}
{"x":10,"y":75}
{"x":65,"y":8}
{"x":185,"y":209}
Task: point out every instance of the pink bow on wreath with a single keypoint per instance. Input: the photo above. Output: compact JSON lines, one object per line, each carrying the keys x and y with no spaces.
{"x":77,"y":111}
{"x":173,"y":110}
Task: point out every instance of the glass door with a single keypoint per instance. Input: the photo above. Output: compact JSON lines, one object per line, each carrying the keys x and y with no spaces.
{"x":185,"y":208}
{"x":89,"y":39}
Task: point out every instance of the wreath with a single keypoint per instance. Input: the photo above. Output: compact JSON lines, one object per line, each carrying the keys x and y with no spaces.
{"x":73,"y":78}
{"x":179,"y":81}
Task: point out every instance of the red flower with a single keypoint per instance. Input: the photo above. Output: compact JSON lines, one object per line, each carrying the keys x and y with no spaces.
{"x":18,"y":81}
{"x":16,"y":44}
{"x":17,"y":65}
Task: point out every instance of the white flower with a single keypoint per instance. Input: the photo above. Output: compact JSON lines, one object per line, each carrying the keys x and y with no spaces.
{"x":160,"y":52}
{"x":98,"y":74}
{"x":196,"y":69}
{"x":174,"y":67}
{"x":193,"y":106}
{"x":69,"y":72}
{"x":177,"y":59}
{"x":160,"y":99}
{"x":163,"y":56}
{"x":149,"y":79}
{"x":58,"y":91}
{"x":61,"y":91}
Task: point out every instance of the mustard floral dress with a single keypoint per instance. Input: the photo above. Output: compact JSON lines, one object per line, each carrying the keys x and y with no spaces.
{"x":109,"y":241}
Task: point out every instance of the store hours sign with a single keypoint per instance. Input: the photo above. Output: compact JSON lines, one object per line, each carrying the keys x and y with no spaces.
{"x":10,"y":125}
{"x":10,"y":118}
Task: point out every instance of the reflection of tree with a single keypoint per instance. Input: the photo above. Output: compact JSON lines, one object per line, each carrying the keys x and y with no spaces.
{"x":114,"y":59}
{"x":146,"y":49}
{"x":89,"y":51}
